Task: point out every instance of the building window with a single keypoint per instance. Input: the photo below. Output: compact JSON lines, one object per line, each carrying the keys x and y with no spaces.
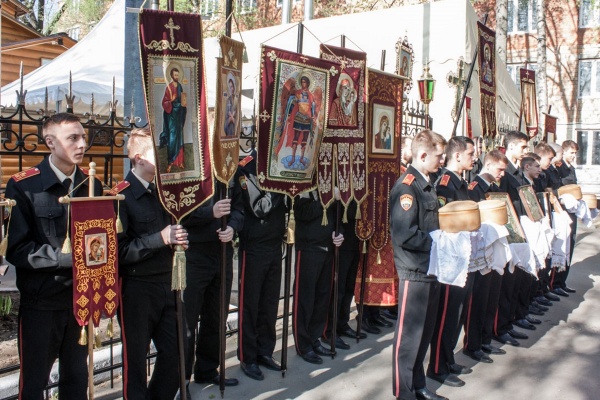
{"x":280,"y":2}
{"x":513,"y":71}
{"x":588,"y":81}
{"x":589,"y":14}
{"x":522,"y":16}
{"x":589,"y":147}
{"x":209,"y":8}
{"x":246,"y":6}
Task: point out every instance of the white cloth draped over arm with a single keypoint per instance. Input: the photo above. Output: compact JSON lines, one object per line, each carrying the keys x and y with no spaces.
{"x":450,"y":256}
{"x":561,"y":245}
{"x":536,"y":237}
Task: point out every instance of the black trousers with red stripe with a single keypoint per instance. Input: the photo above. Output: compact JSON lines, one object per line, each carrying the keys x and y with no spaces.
{"x":44,"y":336}
{"x":521,"y":293}
{"x":492,"y":307}
{"x":260,"y":282}
{"x":417,"y":311}
{"x":477,"y":310}
{"x":450,"y":318}
{"x":505,"y":313}
{"x":559,"y":279}
{"x":148,"y":313}
{"x":312,"y":291}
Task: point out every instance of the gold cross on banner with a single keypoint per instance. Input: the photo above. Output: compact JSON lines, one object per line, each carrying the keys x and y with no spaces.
{"x":171,"y":26}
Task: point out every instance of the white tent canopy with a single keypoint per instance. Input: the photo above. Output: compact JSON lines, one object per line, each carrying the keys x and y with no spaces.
{"x":440,"y":32}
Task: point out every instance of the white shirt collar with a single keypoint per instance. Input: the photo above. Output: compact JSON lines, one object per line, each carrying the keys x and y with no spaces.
{"x":60,"y":175}
{"x":142,"y":180}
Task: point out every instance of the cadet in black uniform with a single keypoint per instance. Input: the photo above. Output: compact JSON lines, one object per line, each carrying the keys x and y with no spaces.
{"x":516,"y":147}
{"x":260,"y":258}
{"x":450,"y":187}
{"x":313,"y":275}
{"x":147,"y":310}
{"x":47,"y":328}
{"x":483,"y":304}
{"x":568,"y":176}
{"x":202,"y":294}
{"x":413,"y":216}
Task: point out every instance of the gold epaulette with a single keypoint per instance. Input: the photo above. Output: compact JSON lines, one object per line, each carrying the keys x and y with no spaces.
{"x":472,"y":185}
{"x":118,"y":188}
{"x":408,"y":179}
{"x":19,"y":176}
{"x":444,"y":181}
{"x":246,"y":160}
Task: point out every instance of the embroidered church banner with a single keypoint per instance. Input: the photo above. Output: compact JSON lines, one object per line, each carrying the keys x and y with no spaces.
{"x":95,"y":263}
{"x":293,"y":101}
{"x":529,"y":109}
{"x":550,"y":129}
{"x":173,"y":75}
{"x":342,"y":158}
{"x":228,"y":109}
{"x":487,"y":79}
{"x":383,"y":132}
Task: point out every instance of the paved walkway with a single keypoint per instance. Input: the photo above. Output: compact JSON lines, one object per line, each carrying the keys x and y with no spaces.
{"x":560,"y":360}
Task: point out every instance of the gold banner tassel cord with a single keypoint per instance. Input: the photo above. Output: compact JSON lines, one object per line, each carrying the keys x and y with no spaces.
{"x":109,"y":329}
{"x":324,"y":221}
{"x":178,"y":281}
{"x":378,"y":257}
{"x":66,"y":247}
{"x":345,"y":215}
{"x":291,"y":229}
{"x":83,"y":337}
{"x":97,"y":339}
{"x":364,"y":247}
{"x":358,"y":213}
{"x":118,"y":223}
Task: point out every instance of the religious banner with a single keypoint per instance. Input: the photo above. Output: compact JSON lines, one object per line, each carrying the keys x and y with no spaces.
{"x":228,"y":109}
{"x":550,"y":128}
{"x":95,"y":260}
{"x":468,"y":120}
{"x":383,"y":131}
{"x":529,"y":109}
{"x":487,"y":79}
{"x":293,"y":101}
{"x":342,"y":158}
{"x":381,"y":288}
{"x":173,"y":76}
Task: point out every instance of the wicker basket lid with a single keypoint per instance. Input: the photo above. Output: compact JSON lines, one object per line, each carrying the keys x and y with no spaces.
{"x":493,"y":211}
{"x":591,"y":200}
{"x":573,"y":190}
{"x":459,"y":216}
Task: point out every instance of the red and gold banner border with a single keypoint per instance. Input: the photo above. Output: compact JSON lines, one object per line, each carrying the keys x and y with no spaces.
{"x":487,"y":79}
{"x":529,"y":108}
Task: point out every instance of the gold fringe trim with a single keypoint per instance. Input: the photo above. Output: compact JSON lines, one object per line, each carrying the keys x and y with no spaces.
{"x":178,"y":281}
{"x":82,"y":337}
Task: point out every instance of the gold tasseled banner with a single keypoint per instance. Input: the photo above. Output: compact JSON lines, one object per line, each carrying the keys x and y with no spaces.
{"x":83,"y":337}
{"x":178,"y":281}
{"x":109,"y":329}
{"x":324,"y":221}
{"x":378,"y":257}
{"x":291,"y":229}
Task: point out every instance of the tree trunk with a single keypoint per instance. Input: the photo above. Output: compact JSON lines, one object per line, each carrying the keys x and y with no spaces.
{"x":540,"y":79}
{"x":501,"y":28}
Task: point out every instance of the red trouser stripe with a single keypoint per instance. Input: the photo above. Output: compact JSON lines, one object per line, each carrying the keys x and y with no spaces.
{"x":441,"y":329}
{"x":399,"y":339}
{"x":468,"y":321}
{"x":241,"y":308}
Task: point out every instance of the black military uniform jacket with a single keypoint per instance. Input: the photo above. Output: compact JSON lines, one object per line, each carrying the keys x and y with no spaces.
{"x":553,"y":178}
{"x":479,"y":187}
{"x":450,"y":187}
{"x":310,"y":233}
{"x":413,"y":215}
{"x":567,"y":174}
{"x":511,"y":181}
{"x":142,"y":252}
{"x":264,"y":212}
{"x":35,"y":238}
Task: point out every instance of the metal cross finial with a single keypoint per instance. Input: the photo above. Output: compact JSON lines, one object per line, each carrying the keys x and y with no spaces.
{"x":458,"y":81}
{"x":171,"y":26}
{"x":69,"y":97}
{"x":21,"y":94}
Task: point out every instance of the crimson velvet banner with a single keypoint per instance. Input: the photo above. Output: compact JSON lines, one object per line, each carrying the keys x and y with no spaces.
{"x":173,"y":74}
{"x":95,"y":261}
{"x":342,"y":158}
{"x":529,"y":109}
{"x":293,"y":101}
{"x":383,"y":132}
{"x":487,"y":79}
{"x":228,"y":109}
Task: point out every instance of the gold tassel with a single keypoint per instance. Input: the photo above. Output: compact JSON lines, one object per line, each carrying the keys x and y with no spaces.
{"x":118,"y":223}
{"x":345,"y":215}
{"x":109,"y":329}
{"x":83,"y":337}
{"x":324,"y":221}
{"x":97,"y":340}
{"x":364,"y":249}
{"x":358,"y":214}
{"x":291,"y":229}
{"x":4,"y":246}
{"x":66,"y":247}
{"x":178,"y":281}
{"x":378,"y":257}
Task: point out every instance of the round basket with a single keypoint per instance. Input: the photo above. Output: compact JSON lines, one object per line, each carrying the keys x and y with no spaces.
{"x":591,"y":200}
{"x":459,"y":216}
{"x":493,"y":211}
{"x":573,"y":190}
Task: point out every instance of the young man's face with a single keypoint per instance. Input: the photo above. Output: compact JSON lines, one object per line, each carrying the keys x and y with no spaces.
{"x":466,"y":158}
{"x":496,"y":169}
{"x":147,"y":168}
{"x":67,"y":144}
{"x":518,"y":149}
{"x":433,"y":159}
{"x":545,"y":161}
{"x":569,"y":155}
{"x":558,"y":157}
{"x":533,"y":170}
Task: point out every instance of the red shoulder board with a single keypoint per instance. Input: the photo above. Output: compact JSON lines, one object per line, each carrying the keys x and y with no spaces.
{"x":558,"y":164}
{"x":245,"y":161}
{"x":472,"y":185}
{"x":444,"y":181}
{"x":118,"y":188}
{"x":408,"y":179}
{"x":19,"y":176}
{"x":402,"y":169}
{"x":86,"y":171}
